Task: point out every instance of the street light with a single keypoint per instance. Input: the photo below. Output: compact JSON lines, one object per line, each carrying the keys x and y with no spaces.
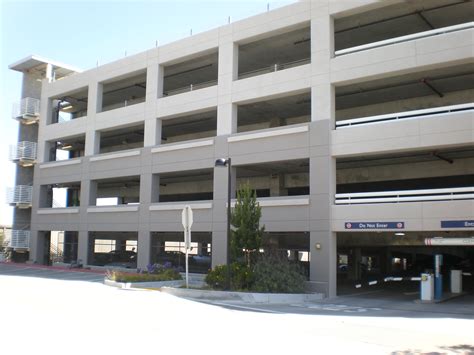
{"x":223,"y":163}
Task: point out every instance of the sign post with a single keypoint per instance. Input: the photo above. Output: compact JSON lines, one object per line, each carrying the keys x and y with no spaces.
{"x":187,"y":221}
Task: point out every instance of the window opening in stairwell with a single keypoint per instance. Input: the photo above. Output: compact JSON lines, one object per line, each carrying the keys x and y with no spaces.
{"x":69,"y":106}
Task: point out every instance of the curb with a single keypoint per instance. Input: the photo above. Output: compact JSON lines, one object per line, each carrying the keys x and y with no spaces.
{"x":247,"y":297}
{"x":153,"y":284}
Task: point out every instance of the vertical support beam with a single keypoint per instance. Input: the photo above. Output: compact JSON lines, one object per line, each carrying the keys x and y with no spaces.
{"x":323,"y":241}
{"x":227,"y":73}
{"x":49,"y":72}
{"x":83,"y":247}
{"x":154,"y":90}
{"x":155,"y":188}
{"x":161,"y":80}
{"x":92,"y":143}
{"x":90,"y":192}
{"x":36,"y":247}
{"x":219,"y":226}
{"x":226,"y":118}
{"x":152,"y":132}
{"x":144,"y":248}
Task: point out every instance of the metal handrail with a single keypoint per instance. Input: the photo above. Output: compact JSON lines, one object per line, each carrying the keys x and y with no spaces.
{"x":406,"y":38}
{"x":405,"y":115}
{"x":23,"y":151}
{"x":190,"y":87}
{"x":121,"y":104}
{"x":21,"y":194}
{"x":28,"y":106}
{"x":20,"y":239}
{"x":457,"y":193}
{"x":275,"y":67}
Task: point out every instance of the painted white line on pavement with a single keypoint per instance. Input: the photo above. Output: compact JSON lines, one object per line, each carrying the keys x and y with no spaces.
{"x":232,"y":305}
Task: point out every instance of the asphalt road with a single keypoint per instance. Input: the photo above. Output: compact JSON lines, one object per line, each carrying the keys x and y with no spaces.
{"x":64,"y":312}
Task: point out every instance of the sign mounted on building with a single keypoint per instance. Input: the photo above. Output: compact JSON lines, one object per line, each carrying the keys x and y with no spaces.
{"x":374,"y":225}
{"x":457,"y":224}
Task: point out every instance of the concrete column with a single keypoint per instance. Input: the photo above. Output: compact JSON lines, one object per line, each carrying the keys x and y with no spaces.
{"x":226,"y":118}
{"x":160,"y":82}
{"x":219,"y":226}
{"x":152,"y":132}
{"x":155,"y":188}
{"x":36,"y":247}
{"x":146,"y":183}
{"x":323,"y":241}
{"x":152,"y":79}
{"x":227,"y":73}
{"x":95,"y":94}
{"x":277,"y":185}
{"x":49,"y":72}
{"x":89,"y":192}
{"x":92,"y":143}
{"x":83,"y":247}
{"x":144,"y":249}
{"x":154,"y":89}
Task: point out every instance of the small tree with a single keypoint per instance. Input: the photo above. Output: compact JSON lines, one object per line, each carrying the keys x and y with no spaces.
{"x":247,"y":233}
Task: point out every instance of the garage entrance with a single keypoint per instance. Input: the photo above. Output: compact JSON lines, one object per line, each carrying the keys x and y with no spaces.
{"x":388,"y":262}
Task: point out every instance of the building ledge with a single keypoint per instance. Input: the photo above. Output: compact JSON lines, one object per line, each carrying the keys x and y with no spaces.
{"x":267,"y":133}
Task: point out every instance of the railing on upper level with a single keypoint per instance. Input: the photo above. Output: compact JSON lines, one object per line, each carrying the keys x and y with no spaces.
{"x":443,"y":110}
{"x":20,"y":239}
{"x":406,"y":38}
{"x":27,"y":111}
{"x":23,"y":153}
{"x":20,"y":196}
{"x":274,"y":68}
{"x":449,"y":194}
{"x":191,"y":87}
{"x":117,"y":105}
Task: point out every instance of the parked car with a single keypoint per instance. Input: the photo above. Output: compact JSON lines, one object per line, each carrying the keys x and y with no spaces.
{"x":122,"y":258}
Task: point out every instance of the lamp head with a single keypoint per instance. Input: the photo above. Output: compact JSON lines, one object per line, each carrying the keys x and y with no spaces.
{"x":221,"y":162}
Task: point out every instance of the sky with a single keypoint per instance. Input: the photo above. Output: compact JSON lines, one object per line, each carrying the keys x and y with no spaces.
{"x":81,"y":32}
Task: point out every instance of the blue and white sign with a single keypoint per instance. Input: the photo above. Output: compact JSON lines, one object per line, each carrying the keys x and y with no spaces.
{"x":457,"y":224}
{"x":374,"y":225}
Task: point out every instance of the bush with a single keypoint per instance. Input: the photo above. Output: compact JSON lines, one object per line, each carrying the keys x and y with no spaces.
{"x":156,"y":274}
{"x":241,"y":277}
{"x":274,"y":273}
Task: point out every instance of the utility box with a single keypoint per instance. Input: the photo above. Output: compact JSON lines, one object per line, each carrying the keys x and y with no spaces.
{"x":427,"y":287}
{"x":456,"y":281}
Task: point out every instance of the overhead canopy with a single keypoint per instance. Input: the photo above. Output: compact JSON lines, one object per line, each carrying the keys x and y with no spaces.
{"x":39,"y":64}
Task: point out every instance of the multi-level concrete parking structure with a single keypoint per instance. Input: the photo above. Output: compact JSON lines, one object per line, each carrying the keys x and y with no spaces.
{"x":353,"y":121}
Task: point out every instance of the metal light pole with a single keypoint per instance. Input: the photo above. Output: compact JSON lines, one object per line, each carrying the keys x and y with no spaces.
{"x":221,"y":163}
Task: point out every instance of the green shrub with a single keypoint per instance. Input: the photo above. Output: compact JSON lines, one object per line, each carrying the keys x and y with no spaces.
{"x":274,"y":273}
{"x":165,"y":275}
{"x":241,"y":277}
